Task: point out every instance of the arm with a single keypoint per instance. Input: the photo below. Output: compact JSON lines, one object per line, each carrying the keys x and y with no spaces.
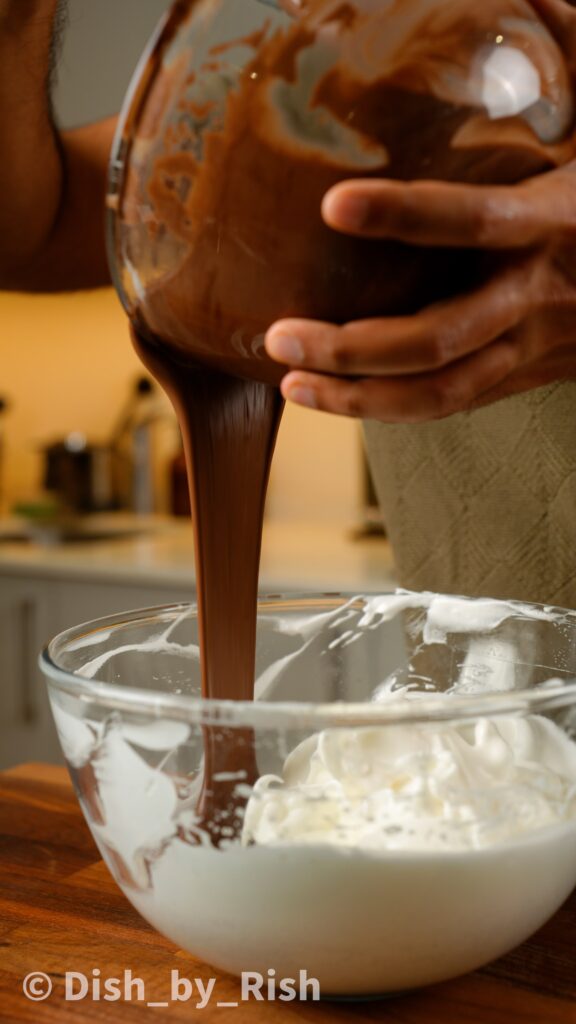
{"x":52,"y":187}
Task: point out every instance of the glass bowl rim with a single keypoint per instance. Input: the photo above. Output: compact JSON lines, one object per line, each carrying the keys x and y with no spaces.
{"x":297,"y":714}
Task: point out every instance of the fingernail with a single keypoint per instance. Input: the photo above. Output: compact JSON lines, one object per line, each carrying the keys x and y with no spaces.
{"x":302,"y":396}
{"x":349,"y":211}
{"x":286,"y":348}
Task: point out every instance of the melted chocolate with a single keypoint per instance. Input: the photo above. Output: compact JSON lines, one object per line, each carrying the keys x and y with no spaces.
{"x":229,"y":427}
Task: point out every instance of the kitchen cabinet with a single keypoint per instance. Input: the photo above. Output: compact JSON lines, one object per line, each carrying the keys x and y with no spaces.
{"x":83,"y":601}
{"x":28,"y":615}
{"x":32,"y":611}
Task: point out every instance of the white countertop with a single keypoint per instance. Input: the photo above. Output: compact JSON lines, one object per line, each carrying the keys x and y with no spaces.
{"x":295,"y":556}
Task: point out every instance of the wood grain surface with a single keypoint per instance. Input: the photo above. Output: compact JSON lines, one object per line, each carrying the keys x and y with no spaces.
{"x":61,"y":911}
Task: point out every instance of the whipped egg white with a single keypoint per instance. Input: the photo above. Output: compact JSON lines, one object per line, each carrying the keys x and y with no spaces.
{"x":431,"y":786}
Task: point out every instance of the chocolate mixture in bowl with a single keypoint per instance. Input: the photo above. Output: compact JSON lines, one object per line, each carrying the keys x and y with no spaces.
{"x":244,"y":114}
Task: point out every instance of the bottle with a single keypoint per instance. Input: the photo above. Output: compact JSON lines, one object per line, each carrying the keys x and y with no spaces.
{"x":133,"y":444}
{"x":143,"y":419}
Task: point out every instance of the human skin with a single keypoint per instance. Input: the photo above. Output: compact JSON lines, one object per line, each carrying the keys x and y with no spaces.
{"x":515,"y":332}
{"x":52,"y":185}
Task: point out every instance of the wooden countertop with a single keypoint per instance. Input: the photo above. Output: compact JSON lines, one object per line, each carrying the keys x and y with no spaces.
{"x":60,"y":911}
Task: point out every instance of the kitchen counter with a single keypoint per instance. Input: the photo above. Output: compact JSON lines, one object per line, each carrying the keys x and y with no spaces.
{"x":61,"y":911}
{"x":297,"y":556}
{"x":137,"y":563}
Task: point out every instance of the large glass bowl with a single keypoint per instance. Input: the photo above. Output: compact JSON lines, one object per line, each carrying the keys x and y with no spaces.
{"x":243,"y":113}
{"x":397,"y":807}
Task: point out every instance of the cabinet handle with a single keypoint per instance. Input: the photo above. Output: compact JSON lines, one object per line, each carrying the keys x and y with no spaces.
{"x":28,"y":709}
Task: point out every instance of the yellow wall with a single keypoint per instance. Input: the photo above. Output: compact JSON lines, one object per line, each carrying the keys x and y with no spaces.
{"x":66,"y":364}
{"x":316,"y":471}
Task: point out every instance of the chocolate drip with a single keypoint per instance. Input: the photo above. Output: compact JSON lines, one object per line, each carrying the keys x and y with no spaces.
{"x":229,"y":426}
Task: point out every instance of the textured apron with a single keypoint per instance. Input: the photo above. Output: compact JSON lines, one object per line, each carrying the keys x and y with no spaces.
{"x":484,"y":503}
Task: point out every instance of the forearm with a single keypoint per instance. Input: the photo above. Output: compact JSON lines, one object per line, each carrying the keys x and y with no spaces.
{"x":52,"y":187}
{"x":72,"y":255}
{"x":31,"y":166}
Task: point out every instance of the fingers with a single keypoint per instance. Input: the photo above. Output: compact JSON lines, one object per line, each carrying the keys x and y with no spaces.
{"x":395,"y":346}
{"x":440,"y":214}
{"x":407,"y":399}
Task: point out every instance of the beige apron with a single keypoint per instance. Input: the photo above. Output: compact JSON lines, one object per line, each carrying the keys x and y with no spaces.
{"x":484,"y":503}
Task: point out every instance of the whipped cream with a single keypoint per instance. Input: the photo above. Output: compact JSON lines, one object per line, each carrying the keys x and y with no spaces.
{"x":419,"y":787}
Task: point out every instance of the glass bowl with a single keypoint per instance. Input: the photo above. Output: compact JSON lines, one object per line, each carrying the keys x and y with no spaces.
{"x":244,"y":113}
{"x":396,"y":807}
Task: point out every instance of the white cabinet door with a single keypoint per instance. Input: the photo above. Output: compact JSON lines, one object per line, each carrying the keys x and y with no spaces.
{"x":32,"y":611}
{"x":28,"y":617}
{"x":83,"y":601}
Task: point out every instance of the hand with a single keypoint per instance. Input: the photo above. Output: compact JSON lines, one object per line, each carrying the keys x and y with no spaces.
{"x":515,"y":332}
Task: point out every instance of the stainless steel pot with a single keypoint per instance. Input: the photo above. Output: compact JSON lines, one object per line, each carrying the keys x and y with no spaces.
{"x":82,"y":475}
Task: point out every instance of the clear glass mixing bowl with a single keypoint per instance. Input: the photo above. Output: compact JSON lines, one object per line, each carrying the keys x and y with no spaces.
{"x":397,"y":807}
{"x":243,"y":113}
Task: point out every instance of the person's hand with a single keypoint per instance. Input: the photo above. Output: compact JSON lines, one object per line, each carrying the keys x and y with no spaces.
{"x":515,"y":332}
